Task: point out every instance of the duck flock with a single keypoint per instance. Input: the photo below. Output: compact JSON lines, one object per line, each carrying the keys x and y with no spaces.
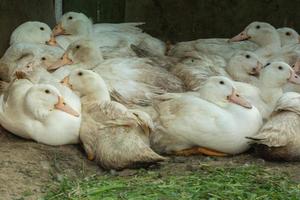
{"x":130,"y":99}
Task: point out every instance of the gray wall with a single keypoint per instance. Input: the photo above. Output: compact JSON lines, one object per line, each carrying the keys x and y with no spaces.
{"x":15,"y":12}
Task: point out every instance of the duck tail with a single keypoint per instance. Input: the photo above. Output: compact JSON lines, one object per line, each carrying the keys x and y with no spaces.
{"x":134,"y":152}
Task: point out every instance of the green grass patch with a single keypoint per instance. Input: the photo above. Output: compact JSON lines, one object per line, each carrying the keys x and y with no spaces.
{"x":243,"y":182}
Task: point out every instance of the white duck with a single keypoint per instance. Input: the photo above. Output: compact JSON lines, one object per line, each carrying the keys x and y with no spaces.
{"x":279,"y":138}
{"x":39,"y":112}
{"x":73,"y":26}
{"x":214,"y":122}
{"x":137,"y":79}
{"x":269,"y":86}
{"x":131,"y":27}
{"x":20,"y":53}
{"x":288,"y":36}
{"x":194,"y":71}
{"x":33,"y":32}
{"x":113,"y":135}
{"x":268,"y":39}
{"x":28,"y":41}
{"x":217,"y":46}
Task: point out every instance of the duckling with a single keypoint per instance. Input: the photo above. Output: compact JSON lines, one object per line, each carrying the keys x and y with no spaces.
{"x":279,"y":139}
{"x":213,"y":122}
{"x":113,"y":135}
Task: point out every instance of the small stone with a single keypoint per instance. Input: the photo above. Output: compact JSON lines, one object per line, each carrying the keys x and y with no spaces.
{"x":113,"y":172}
{"x":127,"y":172}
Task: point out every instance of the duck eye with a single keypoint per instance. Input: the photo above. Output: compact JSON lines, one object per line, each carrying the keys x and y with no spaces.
{"x":248,"y":56}
{"x":280,"y":68}
{"x":42,"y":28}
{"x":70,"y":17}
{"x":257,"y":27}
{"x":237,"y":95}
{"x":288,"y":33}
{"x":222,"y":82}
{"x":43,"y":58}
{"x":78,"y":46}
{"x":192,"y":60}
{"x":28,"y":66}
{"x":47,"y":91}
{"x":80,"y":73}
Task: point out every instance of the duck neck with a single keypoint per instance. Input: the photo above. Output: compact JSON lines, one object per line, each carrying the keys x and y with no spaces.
{"x":206,"y":94}
{"x":237,"y":73}
{"x":268,"y":45}
{"x":99,"y":93}
{"x":269,"y":91}
{"x":83,"y":29}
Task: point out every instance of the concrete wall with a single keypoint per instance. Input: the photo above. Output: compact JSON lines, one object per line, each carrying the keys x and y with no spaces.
{"x":15,"y":12}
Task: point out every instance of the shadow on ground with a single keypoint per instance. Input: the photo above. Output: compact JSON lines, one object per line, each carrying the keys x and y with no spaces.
{"x":26,"y":167}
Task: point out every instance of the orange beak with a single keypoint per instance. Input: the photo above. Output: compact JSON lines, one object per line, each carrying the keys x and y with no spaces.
{"x":255,"y":71}
{"x":237,"y":99}
{"x":20,"y":74}
{"x":52,"y":41}
{"x":66,"y":82}
{"x":240,"y":37}
{"x":61,"y":105}
{"x":296,"y":66}
{"x":58,"y":30}
{"x":64,"y":60}
{"x":294,"y":78}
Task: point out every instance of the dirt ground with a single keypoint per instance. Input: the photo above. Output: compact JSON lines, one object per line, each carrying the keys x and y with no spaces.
{"x":26,"y":167}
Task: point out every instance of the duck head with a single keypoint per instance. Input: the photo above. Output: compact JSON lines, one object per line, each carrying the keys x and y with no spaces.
{"x":288,"y":36}
{"x":243,"y":65}
{"x":24,"y":71}
{"x":73,"y":23}
{"x":261,"y":33}
{"x":82,"y":51}
{"x":221,"y":91}
{"x":277,"y":74}
{"x":43,"y":99}
{"x":33,"y":32}
{"x":87,"y":83}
